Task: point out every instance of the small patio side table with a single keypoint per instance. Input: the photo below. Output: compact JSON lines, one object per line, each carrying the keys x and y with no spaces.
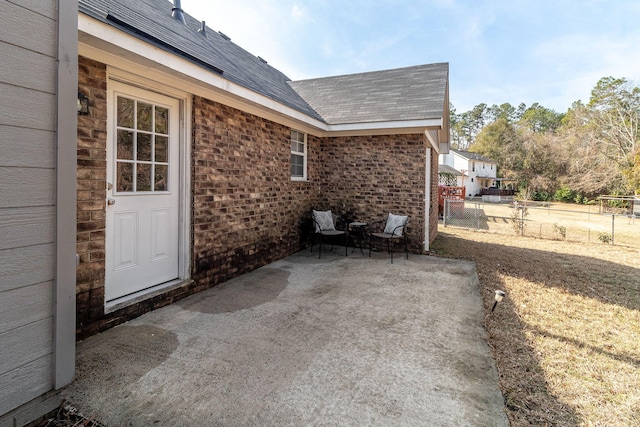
{"x":358,"y":229}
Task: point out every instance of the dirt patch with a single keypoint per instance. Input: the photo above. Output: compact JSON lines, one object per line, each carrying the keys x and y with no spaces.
{"x":567,"y":337}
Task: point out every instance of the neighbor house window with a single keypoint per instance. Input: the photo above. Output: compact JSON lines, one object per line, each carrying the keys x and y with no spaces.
{"x":473,"y":166}
{"x":298,"y":155}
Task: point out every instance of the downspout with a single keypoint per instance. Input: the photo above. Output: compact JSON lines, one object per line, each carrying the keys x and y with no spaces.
{"x":427,"y":197}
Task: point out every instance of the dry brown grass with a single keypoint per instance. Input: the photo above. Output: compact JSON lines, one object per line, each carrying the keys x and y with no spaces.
{"x":567,"y":337}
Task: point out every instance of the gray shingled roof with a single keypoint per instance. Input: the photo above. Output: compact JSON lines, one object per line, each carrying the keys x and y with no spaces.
{"x":411,"y":93}
{"x":151,"y":21}
{"x":473,"y":156}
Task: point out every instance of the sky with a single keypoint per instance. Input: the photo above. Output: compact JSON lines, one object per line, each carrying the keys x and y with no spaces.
{"x":499,"y":51}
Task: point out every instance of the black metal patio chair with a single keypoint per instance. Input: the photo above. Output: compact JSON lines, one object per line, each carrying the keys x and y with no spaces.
{"x":324,"y":226}
{"x":395,"y":227}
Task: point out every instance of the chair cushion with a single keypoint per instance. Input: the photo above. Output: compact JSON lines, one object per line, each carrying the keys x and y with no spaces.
{"x":394,"y":224}
{"x":323,"y":220}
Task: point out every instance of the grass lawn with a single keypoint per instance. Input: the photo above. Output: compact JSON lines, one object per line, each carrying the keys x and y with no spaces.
{"x":566,"y":339}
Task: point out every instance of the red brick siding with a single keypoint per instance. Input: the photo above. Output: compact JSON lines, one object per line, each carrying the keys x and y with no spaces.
{"x":91,"y":193}
{"x":367,"y":177}
{"x":246,"y":210}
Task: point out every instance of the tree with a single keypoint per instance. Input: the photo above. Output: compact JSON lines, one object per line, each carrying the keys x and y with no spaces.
{"x":465,"y":126}
{"x":632,"y":174}
{"x":498,"y":141}
{"x":540,"y":119}
{"x":604,"y":136}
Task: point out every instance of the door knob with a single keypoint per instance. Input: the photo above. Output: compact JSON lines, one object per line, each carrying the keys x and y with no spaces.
{"x":111,"y":202}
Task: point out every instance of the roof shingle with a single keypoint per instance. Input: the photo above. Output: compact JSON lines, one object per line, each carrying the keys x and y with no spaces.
{"x":410,"y":93}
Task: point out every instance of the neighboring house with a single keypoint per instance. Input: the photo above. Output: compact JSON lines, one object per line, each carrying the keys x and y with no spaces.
{"x":476,"y":172}
{"x":38,"y":82}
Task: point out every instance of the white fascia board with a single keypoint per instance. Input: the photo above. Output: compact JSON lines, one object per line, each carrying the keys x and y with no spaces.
{"x":383,"y":128}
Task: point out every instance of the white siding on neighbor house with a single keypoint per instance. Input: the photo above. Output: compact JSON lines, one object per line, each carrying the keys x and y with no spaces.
{"x":28,"y":82}
{"x":465,"y":165}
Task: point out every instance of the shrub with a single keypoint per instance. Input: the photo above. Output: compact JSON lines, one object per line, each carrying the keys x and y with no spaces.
{"x":605,"y":238}
{"x":564,"y":194}
{"x":560,"y":230}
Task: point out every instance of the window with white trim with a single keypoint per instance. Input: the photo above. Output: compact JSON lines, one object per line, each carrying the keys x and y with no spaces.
{"x":298,"y":155}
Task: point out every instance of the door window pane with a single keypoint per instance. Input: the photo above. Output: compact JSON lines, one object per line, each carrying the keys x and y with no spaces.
{"x":145,"y":116}
{"x":124,"y":178}
{"x":144,"y":147}
{"x":125,"y":112}
{"x":161,"y":147}
{"x":162,"y":120}
{"x":143,"y":177}
{"x":160,"y":176}
{"x":125,"y":145}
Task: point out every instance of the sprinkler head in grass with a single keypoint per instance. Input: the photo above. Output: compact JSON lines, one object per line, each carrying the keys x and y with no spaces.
{"x":498,"y":297}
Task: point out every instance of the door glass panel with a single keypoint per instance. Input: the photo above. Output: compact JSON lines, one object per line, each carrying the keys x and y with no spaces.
{"x":125,"y":112}
{"x":125,"y":145}
{"x":160,"y":183}
{"x":145,"y":116}
{"x":124,"y":177}
{"x":161,"y":147}
{"x":143,"y":177}
{"x":162,"y":120}
{"x":144,"y":147}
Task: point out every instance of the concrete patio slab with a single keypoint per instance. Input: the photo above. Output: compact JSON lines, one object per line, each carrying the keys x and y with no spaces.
{"x":303,"y":341}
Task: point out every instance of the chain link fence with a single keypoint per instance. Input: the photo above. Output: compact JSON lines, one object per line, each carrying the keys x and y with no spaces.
{"x":576,"y":223}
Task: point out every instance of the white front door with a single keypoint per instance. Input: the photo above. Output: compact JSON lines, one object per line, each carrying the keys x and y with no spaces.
{"x":143,"y":191}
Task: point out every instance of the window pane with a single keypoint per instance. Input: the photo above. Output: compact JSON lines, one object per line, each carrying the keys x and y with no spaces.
{"x":125,"y":112}
{"x":143,"y":177}
{"x":297,"y":136}
{"x":125,"y":145}
{"x":124,"y":181}
{"x":160,"y":178}
{"x":161,"y":146}
{"x":297,"y":165}
{"x":145,"y":116}
{"x":162,"y":120}
{"x":144,"y":147}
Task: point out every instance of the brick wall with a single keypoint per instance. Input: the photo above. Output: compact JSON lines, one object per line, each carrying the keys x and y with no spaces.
{"x":92,"y":183}
{"x":365,"y":178}
{"x":246,"y":210}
